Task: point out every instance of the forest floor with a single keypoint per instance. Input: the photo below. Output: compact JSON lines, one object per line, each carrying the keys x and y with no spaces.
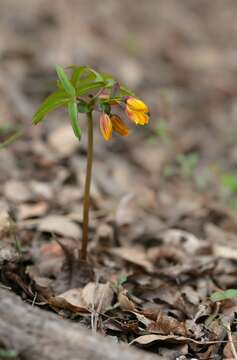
{"x":163,"y":221}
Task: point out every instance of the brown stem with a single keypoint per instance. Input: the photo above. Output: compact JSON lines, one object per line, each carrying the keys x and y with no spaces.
{"x":86,"y":202}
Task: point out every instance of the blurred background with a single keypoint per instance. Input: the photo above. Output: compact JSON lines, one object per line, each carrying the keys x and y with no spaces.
{"x":178,"y":56}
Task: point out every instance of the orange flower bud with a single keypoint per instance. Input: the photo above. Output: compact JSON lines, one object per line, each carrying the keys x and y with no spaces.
{"x":106,"y":126}
{"x":119,"y":126}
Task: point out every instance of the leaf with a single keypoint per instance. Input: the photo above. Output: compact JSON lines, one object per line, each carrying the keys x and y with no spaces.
{"x":125,"y":91}
{"x":11,"y":139}
{"x":110,"y":81}
{"x":53,"y":101}
{"x":67,"y":85}
{"x":82,"y":90}
{"x":93,"y":297}
{"x":97,"y":297}
{"x":60,"y":225}
{"x":151,"y":338}
{"x":92,"y":76}
{"x":63,"y":141}
{"x":134,"y":255}
{"x":8,"y":354}
{"x":98,"y":76}
{"x":73,"y":114}
{"x":229,"y":181}
{"x":224,"y":295}
{"x":76,"y":75}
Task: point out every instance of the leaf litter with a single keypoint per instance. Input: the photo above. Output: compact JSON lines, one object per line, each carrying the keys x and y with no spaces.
{"x":159,"y":247}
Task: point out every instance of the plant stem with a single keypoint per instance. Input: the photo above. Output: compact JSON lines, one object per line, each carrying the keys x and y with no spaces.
{"x":86,"y":201}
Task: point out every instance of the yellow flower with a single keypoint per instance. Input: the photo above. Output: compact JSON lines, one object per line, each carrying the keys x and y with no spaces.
{"x":137,"y":111}
{"x":106,"y":126}
{"x":119,"y":126}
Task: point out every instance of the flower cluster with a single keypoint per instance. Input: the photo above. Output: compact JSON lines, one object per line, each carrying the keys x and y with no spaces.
{"x":136,"y":110}
{"x":87,"y":91}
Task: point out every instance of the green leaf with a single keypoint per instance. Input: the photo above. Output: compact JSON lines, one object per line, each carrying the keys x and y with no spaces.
{"x":76,"y":75}
{"x":11,"y":139}
{"x":233,"y":203}
{"x":98,"y":76}
{"x":125,"y":91}
{"x":65,"y":82}
{"x":229,"y":181}
{"x":53,"y":101}
{"x":73,"y":114}
{"x":91,"y":76}
{"x":8,"y":354}
{"x":82,"y":90}
{"x":224,"y":295}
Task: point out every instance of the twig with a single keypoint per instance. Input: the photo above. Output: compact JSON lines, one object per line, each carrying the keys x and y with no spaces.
{"x":233,"y":349}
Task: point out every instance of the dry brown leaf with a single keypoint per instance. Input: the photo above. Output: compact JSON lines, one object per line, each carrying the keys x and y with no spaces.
{"x":135,"y":255}
{"x":151,"y":338}
{"x":165,"y":324}
{"x":224,"y":251}
{"x":70,"y":300}
{"x":27,"y":211}
{"x":104,"y":235}
{"x":60,"y":225}
{"x":172,"y":296}
{"x":93,"y":297}
{"x":127,"y":211}
{"x":51,"y":249}
{"x":181,"y":239}
{"x":124,"y":301}
{"x":97,"y":296}
{"x":63,"y":141}
{"x":41,"y":190}
{"x":17,"y":191}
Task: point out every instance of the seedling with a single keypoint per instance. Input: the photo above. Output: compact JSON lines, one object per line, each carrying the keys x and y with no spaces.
{"x":87,"y":91}
{"x":185,"y":166}
{"x":224,"y":295}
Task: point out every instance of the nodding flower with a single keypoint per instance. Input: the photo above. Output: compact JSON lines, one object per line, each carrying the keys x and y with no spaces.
{"x":106,"y":126}
{"x":119,"y":126}
{"x":111,"y":123}
{"x":137,"y":111}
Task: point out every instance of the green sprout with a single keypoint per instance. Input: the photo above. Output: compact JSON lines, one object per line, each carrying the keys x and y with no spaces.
{"x":88,"y":91}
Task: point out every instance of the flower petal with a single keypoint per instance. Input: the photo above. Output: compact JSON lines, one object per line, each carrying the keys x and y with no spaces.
{"x":137,"y":105}
{"x":140,"y":118}
{"x":119,"y":126}
{"x":106,"y":126}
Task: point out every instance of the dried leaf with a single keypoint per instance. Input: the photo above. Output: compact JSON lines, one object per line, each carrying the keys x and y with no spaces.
{"x":60,"y":225}
{"x":93,"y":297}
{"x":63,"y":141}
{"x":70,"y":300}
{"x":27,"y":211}
{"x":97,"y":296}
{"x":134,"y":255}
{"x":127,"y":211}
{"x":17,"y":191}
{"x":165,"y":324}
{"x":124,"y":301}
{"x":149,"y":339}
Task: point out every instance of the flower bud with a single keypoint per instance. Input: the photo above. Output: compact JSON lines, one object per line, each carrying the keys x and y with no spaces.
{"x":119,"y":126}
{"x":106,"y":126}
